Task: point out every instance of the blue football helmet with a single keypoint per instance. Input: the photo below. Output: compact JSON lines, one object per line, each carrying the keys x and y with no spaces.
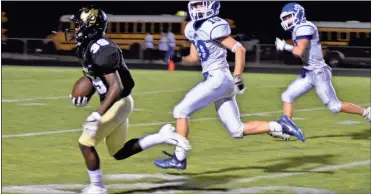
{"x":292,"y":14}
{"x":201,"y":10}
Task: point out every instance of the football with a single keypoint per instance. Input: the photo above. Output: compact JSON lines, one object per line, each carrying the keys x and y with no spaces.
{"x":83,"y":87}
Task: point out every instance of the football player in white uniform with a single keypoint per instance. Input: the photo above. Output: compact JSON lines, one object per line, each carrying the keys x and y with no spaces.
{"x":316,"y":73}
{"x":210,"y":37}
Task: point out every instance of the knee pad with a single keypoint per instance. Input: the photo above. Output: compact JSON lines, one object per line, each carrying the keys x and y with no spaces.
{"x":286,"y":97}
{"x":334,"y":106}
{"x":179,"y":112}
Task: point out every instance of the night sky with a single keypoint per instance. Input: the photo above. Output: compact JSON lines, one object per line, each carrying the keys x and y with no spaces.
{"x":38,"y":19}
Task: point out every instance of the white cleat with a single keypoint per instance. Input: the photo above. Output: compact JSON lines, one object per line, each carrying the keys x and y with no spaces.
{"x":92,"y":189}
{"x":168,"y":131}
{"x":280,"y":135}
{"x":368,"y":114}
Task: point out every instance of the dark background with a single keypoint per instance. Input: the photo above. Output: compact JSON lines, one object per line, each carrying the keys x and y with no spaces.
{"x":38,"y":18}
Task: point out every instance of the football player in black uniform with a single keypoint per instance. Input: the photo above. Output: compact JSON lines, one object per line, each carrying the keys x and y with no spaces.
{"x":104,"y":65}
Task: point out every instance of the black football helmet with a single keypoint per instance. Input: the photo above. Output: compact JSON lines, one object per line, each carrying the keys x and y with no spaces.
{"x":89,"y":23}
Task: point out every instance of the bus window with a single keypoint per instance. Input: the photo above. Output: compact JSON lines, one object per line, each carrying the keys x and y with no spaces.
{"x":113,"y":27}
{"x":140,"y":28}
{"x":148,"y":28}
{"x":176,"y":28}
{"x":156,"y":29}
{"x":343,"y":36}
{"x":130,"y":27}
{"x":362,"y":35}
{"x":165,"y":27}
{"x":65,"y":25}
{"x":324,"y":36}
{"x":353,"y":35}
{"x":122,"y":27}
{"x":333,"y":36}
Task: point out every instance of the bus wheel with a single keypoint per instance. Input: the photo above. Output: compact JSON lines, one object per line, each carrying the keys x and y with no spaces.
{"x":334,"y":60}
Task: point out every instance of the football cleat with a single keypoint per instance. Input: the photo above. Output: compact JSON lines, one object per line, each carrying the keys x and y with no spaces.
{"x":172,"y":138}
{"x":289,"y":127}
{"x":92,"y":189}
{"x":280,"y":135}
{"x":172,"y":162}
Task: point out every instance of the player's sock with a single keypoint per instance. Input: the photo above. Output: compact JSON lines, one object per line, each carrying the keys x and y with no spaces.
{"x":364,"y":112}
{"x":180,"y":153}
{"x":96,"y":177}
{"x":151,"y":140}
{"x":275,"y":127}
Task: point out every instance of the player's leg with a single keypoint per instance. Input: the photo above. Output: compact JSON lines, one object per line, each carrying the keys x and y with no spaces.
{"x":110,"y":120}
{"x":218,"y":84}
{"x":297,"y":88}
{"x":121,"y":151}
{"x":229,"y":115}
{"x":326,"y":92}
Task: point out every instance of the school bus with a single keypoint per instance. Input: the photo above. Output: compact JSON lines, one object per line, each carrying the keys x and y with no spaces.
{"x":336,"y":36}
{"x":345,"y":43}
{"x":127,"y":30}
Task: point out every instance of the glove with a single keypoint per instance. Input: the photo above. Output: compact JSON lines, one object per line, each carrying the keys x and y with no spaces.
{"x":280,"y":44}
{"x":80,"y":101}
{"x":91,"y":124}
{"x":239,"y":86}
{"x":176,"y":57}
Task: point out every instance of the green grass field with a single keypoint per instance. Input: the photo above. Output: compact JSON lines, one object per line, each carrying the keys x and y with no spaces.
{"x":45,"y":158}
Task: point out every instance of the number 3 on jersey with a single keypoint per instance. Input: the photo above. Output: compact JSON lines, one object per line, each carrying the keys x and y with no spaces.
{"x":96,"y":46}
{"x":99,"y":86}
{"x":202,"y":50}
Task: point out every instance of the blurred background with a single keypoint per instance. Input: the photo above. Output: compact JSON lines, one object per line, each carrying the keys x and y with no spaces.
{"x":148,"y":31}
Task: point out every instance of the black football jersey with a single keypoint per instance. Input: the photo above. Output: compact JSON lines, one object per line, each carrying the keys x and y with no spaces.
{"x":101,"y":57}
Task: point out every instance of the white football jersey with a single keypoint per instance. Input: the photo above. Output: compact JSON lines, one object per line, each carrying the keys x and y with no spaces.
{"x":313,"y":57}
{"x":212,"y":54}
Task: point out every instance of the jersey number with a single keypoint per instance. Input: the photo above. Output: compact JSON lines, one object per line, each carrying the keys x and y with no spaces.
{"x":214,"y":20}
{"x":99,"y":86}
{"x":96,"y":46}
{"x":202,"y":50}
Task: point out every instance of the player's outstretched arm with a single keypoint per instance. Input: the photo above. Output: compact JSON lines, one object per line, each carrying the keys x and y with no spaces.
{"x":193,"y":58}
{"x":239,"y":51}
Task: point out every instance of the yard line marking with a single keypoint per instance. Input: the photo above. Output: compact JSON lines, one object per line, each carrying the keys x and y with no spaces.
{"x":319,"y":169}
{"x":179,"y":180}
{"x":160,"y":123}
{"x":66,"y":97}
{"x":134,"y":94}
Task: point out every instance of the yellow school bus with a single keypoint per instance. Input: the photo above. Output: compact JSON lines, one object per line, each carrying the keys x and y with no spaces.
{"x":127,"y":30}
{"x":333,"y":34}
{"x":341,"y":33}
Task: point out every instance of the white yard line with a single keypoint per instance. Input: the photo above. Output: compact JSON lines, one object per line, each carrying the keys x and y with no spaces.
{"x":178,"y":180}
{"x":66,"y":97}
{"x":134,"y":94}
{"x":160,"y":123}
{"x":319,"y":169}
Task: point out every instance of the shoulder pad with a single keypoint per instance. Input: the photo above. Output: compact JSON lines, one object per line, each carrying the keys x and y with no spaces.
{"x":218,"y":28}
{"x":304,"y":30}
{"x":188,"y":30}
